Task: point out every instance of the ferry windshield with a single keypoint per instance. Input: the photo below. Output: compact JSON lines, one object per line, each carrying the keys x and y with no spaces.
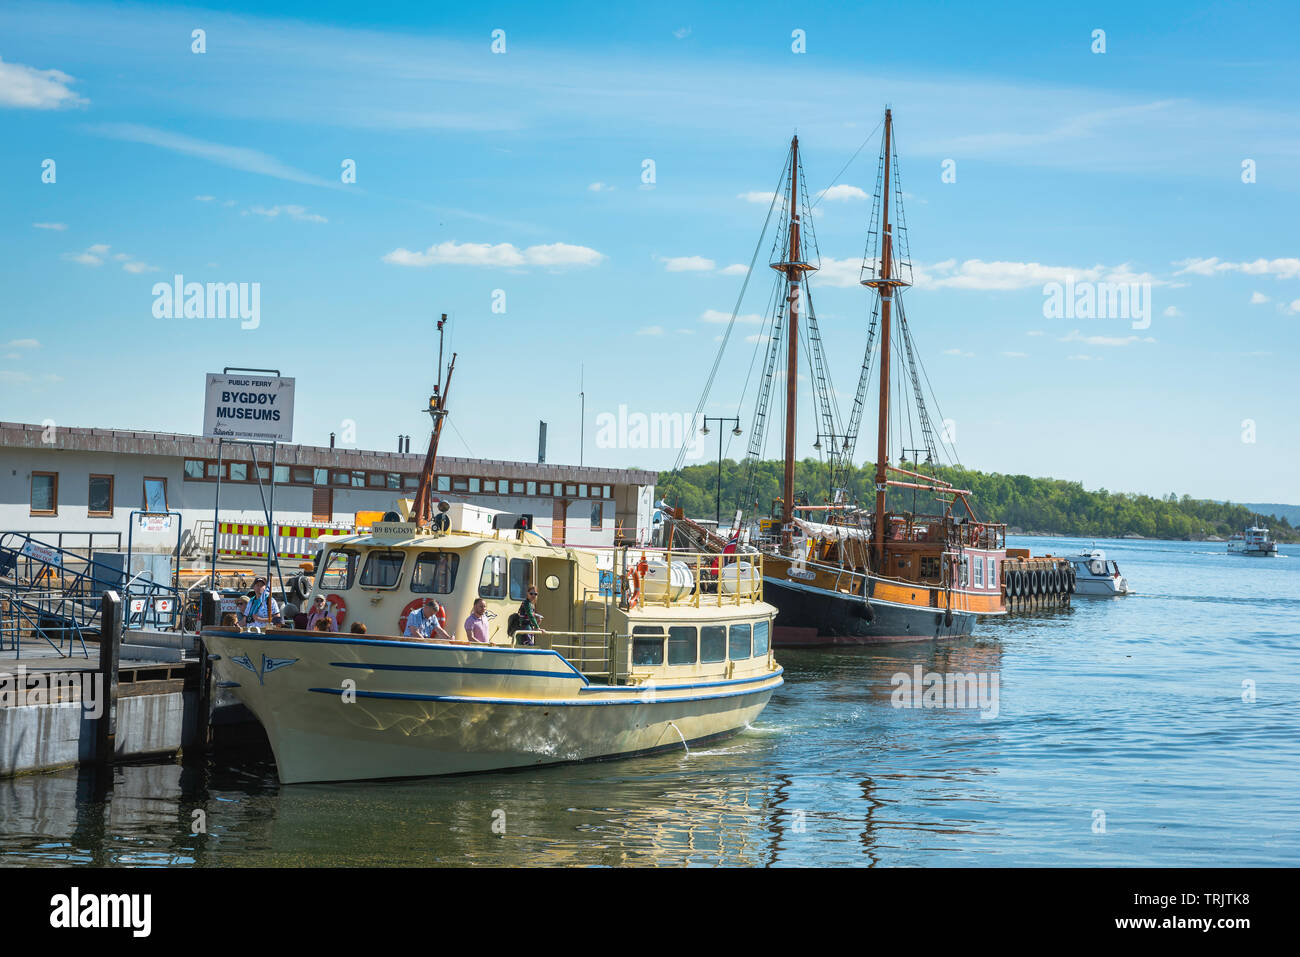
{"x":435,"y":573}
{"x":338,"y":571}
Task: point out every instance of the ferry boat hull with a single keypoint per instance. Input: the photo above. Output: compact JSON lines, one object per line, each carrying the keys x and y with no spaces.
{"x":810,"y":616}
{"x":348,"y":708}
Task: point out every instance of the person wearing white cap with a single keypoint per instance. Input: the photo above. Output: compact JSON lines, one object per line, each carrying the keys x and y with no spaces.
{"x":262,"y":609}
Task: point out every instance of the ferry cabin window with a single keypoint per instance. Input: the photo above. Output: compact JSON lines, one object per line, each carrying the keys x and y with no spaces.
{"x":338,"y":571}
{"x":382,"y":569}
{"x":435,"y":573}
{"x":740,"y":643}
{"x":597,"y":516}
{"x":521,"y":574}
{"x":760,"y":639}
{"x":155,"y":494}
{"x":45,"y":493}
{"x":682,"y":645}
{"x":647,"y":645}
{"x":492,"y":582}
{"x":965,"y":571}
{"x":194,"y":468}
{"x":444,"y":483}
{"x":993,"y":573}
{"x":979,"y":573}
{"x":713,"y":644}
{"x":100,"y":500}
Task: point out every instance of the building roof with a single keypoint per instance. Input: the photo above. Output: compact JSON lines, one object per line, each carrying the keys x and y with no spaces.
{"x":119,"y":442}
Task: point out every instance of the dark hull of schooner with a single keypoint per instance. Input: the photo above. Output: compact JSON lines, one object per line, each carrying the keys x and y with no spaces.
{"x":808,"y":616}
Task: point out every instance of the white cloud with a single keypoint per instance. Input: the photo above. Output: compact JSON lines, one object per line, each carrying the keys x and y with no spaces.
{"x":293,"y":212}
{"x":1081,"y":358}
{"x":22,"y":344}
{"x":651,"y":331}
{"x":844,"y":273}
{"x":59,"y":227}
{"x":14,"y":378}
{"x":756,"y":196}
{"x":689,"y":264}
{"x":205,"y":199}
{"x":1172,"y":312}
{"x":757,"y":337}
{"x":1016,"y":355}
{"x":958,"y":352}
{"x":735,"y":269}
{"x":1035,"y":332}
{"x":1275,"y":268}
{"x":843,"y":191}
{"x":682,"y":33}
{"x":1076,"y":336}
{"x":600,"y":188}
{"x":138,"y":267}
{"x":500,"y":255}
{"x":714,"y":316}
{"x":27,"y":88}
{"x":1294,"y":307}
{"x":93,"y":256}
{"x":1258,"y":299}
{"x":236,"y":157}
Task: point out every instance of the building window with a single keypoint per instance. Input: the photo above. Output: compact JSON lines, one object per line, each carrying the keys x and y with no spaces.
{"x":473,"y":485}
{"x":382,"y":569}
{"x":607,"y":495}
{"x":582,"y":491}
{"x":100,"y":500}
{"x":410,"y":481}
{"x":358,"y":478}
{"x":460,"y":485}
{"x":681,"y":645}
{"x":239,"y":471}
{"x":597,"y":517}
{"x":546,"y":488}
{"x":282,"y":475}
{"x":375,"y":480}
{"x":532,"y":488}
{"x":194,"y":468}
{"x":45,"y":493}
{"x":302,"y":476}
{"x":517,"y":488}
{"x":492,"y":582}
{"x":340,"y":478}
{"x":263,"y":473}
{"x":740,"y":643}
{"x":570,"y":490}
{"x":320,"y":477}
{"x":503,"y":487}
{"x":444,"y":483}
{"x":489,"y":485}
{"x":155,"y":494}
{"x":216,"y":469}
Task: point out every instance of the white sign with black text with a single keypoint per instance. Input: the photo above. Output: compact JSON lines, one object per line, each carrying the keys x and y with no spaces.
{"x":242,"y":406}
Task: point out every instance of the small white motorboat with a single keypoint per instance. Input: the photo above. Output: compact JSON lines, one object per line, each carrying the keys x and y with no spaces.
{"x":1253,"y":541}
{"x":1096,"y":577}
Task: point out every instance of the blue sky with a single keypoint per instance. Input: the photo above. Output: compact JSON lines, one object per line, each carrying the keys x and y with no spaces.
{"x":521,"y":172}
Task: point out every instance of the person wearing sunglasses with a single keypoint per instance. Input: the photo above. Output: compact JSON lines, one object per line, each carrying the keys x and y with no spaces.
{"x":529,"y":619}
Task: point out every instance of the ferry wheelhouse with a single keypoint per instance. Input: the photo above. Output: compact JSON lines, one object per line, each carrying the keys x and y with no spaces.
{"x":638,"y":651}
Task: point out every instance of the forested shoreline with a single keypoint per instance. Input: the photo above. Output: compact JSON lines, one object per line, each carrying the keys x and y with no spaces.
{"x":1043,"y":506}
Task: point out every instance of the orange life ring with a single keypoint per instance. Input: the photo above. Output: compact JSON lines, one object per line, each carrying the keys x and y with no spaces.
{"x":417,"y":603}
{"x":342,"y":609}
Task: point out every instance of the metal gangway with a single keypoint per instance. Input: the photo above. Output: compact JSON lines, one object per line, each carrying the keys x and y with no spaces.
{"x":55,"y":594}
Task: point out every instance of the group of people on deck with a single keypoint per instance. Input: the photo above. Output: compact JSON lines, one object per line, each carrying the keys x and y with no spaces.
{"x":425,"y":622}
{"x":262,"y":611}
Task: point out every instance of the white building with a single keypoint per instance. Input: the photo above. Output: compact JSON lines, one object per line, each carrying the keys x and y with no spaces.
{"x":74,"y":481}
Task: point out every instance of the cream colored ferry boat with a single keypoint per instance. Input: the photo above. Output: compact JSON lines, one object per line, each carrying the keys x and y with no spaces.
{"x":640,"y":652}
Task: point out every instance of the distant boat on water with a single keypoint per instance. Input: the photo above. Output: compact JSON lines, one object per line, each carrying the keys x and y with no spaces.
{"x":1253,"y":541}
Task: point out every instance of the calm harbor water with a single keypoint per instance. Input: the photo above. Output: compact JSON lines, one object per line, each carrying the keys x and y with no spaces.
{"x":1127,"y":712}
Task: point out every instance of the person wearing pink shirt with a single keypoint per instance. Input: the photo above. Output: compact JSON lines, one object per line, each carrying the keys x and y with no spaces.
{"x":476,"y":625}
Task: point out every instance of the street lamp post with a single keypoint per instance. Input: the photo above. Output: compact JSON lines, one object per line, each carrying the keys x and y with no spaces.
{"x":717,"y":517}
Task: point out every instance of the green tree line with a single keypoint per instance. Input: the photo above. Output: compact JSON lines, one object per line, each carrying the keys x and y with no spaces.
{"x":1040,"y":505}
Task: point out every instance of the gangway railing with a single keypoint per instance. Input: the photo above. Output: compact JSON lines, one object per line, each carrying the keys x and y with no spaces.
{"x":57,"y":592}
